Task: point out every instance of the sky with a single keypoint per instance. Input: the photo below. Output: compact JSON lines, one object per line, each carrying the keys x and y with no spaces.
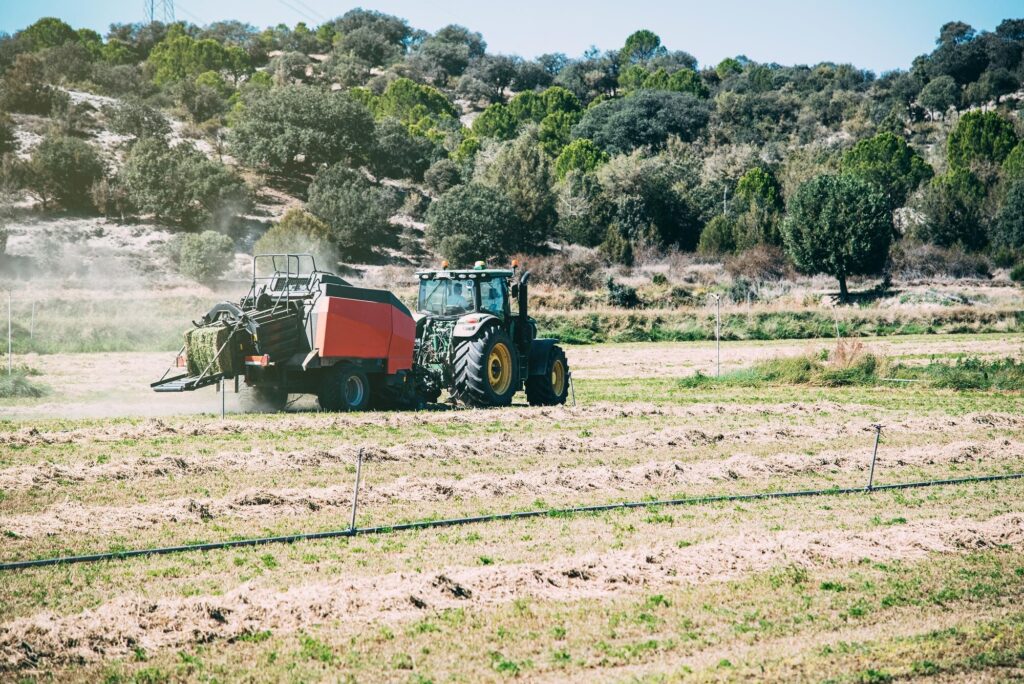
{"x":880,"y":35}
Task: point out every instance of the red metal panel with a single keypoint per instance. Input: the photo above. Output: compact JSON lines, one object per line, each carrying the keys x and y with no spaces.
{"x":360,"y":329}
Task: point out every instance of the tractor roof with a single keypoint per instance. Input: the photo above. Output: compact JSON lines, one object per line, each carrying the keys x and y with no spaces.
{"x":465,"y":273}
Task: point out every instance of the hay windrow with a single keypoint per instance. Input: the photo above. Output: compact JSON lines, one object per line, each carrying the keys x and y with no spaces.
{"x":662,"y":476}
{"x":115,"y":628}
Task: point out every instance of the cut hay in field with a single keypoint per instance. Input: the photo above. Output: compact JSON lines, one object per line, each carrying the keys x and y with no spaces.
{"x":202,"y":346}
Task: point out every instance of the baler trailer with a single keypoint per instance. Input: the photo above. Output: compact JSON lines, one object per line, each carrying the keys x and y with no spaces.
{"x":300,"y":330}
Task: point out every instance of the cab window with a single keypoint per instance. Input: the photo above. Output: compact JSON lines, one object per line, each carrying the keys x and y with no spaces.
{"x":492,"y":296}
{"x":446,"y":297}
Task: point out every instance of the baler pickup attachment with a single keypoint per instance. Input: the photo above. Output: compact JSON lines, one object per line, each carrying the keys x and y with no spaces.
{"x":185,"y":382}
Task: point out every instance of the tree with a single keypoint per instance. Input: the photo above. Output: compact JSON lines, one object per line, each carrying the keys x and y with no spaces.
{"x":1009,"y":225}
{"x":523,"y":173}
{"x":398,"y":153}
{"x":203,"y":256}
{"x":951,"y":208}
{"x":471,"y":222}
{"x":357,"y":212}
{"x":580,"y":155}
{"x":449,"y":51}
{"x":299,"y":232}
{"x":940,"y":94}
{"x":646,"y":118}
{"x":48,"y":32}
{"x":840,"y":226}
{"x":63,"y":168}
{"x":641,"y":46}
{"x":202,"y":192}
{"x":984,"y":137}
{"x":179,"y":56}
{"x":298,"y":128}
{"x":889,"y":162}
{"x":488,"y":76}
{"x":408,"y":101}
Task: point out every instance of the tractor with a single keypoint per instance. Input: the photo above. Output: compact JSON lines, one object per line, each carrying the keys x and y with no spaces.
{"x":300,"y":330}
{"x":472,"y":343}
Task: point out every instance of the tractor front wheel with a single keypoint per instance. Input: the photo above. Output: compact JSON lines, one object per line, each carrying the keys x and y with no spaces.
{"x":344,"y":388}
{"x":551,"y":388}
{"x":486,"y":369}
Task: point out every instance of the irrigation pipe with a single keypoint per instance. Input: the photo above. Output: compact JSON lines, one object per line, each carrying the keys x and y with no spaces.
{"x":518,"y":515}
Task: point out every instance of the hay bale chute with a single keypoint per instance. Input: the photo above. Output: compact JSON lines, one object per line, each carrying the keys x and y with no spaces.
{"x":215,"y":349}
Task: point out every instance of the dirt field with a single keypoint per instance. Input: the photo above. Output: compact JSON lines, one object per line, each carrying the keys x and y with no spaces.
{"x":855,"y":588}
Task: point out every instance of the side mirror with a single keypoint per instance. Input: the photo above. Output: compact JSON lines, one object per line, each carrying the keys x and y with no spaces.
{"x":514,"y":290}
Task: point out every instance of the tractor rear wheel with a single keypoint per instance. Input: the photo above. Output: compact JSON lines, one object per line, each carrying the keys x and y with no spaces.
{"x":344,"y":388}
{"x":486,"y":369}
{"x":551,"y":388}
{"x":262,"y":399}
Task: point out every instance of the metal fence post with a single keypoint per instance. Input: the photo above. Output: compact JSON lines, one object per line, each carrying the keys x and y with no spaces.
{"x":874,"y":456}
{"x":32,"y":325}
{"x":718,"y":334}
{"x":355,"y":492}
{"x":10,"y":355}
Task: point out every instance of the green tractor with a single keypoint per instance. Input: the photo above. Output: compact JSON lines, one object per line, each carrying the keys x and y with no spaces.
{"x":470,"y":341}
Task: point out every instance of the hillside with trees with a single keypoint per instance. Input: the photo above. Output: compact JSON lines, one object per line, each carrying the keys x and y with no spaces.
{"x":396,"y":145}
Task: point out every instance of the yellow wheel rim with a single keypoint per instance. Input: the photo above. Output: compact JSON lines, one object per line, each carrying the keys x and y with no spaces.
{"x":558,"y":377}
{"x":499,"y":368}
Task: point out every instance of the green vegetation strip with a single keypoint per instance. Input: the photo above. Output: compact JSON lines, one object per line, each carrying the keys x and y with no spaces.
{"x":868,"y":369}
{"x":517,"y":515}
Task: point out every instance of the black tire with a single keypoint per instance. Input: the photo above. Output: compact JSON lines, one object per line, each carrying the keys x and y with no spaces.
{"x":344,"y":388}
{"x":262,"y":398}
{"x":478,"y":361}
{"x":551,"y":388}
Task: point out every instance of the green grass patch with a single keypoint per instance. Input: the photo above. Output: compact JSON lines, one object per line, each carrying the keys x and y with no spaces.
{"x":871,"y":370}
{"x":17,"y":385}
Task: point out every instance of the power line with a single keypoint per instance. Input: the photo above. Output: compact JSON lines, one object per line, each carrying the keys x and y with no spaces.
{"x":300,"y":3}
{"x":301,"y":13}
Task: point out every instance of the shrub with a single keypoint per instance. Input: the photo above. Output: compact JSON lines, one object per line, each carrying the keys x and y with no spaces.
{"x":299,"y":232}
{"x":202,"y":256}
{"x":1017,"y":274}
{"x":63,"y":169}
{"x":8,"y":143}
{"x":911,"y":261}
{"x":621,"y":295}
{"x":718,"y":236}
{"x":759,"y":264}
{"x":573,"y":270}
{"x":357,"y":211}
{"x":442,"y":176}
{"x":203,"y":191}
{"x":136,"y":118}
{"x":24,"y":87}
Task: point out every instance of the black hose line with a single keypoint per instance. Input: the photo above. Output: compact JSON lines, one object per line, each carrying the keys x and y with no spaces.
{"x":517,"y":515}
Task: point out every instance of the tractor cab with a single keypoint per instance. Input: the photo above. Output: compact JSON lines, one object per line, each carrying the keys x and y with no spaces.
{"x":456,"y":293}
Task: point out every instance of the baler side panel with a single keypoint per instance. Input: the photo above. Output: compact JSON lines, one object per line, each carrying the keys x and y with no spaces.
{"x":352,"y":328}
